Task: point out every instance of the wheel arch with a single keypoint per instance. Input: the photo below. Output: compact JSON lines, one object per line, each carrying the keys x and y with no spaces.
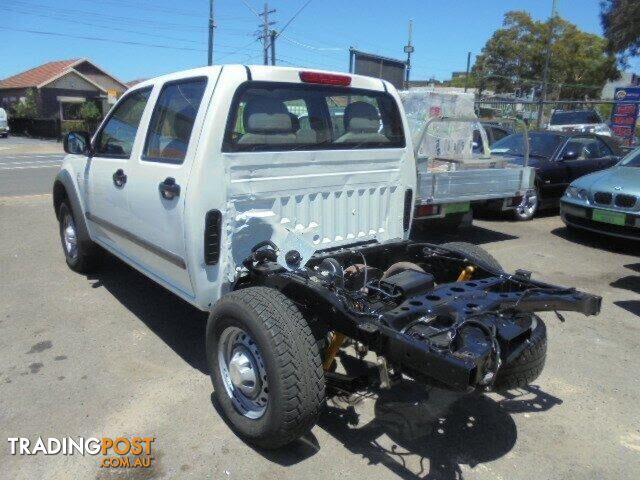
{"x":64,"y":189}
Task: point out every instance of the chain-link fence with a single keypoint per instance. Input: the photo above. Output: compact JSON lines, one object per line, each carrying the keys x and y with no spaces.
{"x":529,"y":111}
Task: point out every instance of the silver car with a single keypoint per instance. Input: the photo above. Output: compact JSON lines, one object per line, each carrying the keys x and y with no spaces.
{"x":607,"y":201}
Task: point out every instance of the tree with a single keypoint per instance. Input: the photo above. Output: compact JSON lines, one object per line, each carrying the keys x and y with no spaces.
{"x":460,"y":81}
{"x":89,"y":111}
{"x":621,"y":23}
{"x":513,"y":58}
{"x":27,"y":108}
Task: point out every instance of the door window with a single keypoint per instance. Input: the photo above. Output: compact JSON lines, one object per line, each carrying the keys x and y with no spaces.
{"x":172,"y":120}
{"x":605,"y":150}
{"x":118,"y":134}
{"x":585,"y":148}
{"x":498,"y":133}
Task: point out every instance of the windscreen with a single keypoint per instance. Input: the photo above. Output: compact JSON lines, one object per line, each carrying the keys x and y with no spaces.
{"x":632,"y":159}
{"x":573,"y":118}
{"x":275,"y":116}
{"x":540,"y":145}
{"x":3,"y":114}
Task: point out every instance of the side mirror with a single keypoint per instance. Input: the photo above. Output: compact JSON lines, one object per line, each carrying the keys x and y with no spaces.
{"x":77,"y":143}
{"x":570,"y":155}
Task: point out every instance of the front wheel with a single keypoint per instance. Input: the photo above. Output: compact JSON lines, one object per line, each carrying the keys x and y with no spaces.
{"x":265,"y":366}
{"x":81,"y":255}
{"x":528,"y":207}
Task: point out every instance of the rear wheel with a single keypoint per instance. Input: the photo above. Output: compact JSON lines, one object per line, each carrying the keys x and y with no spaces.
{"x":474,"y":254}
{"x":528,"y":207}
{"x":265,"y":366}
{"x":528,"y":365}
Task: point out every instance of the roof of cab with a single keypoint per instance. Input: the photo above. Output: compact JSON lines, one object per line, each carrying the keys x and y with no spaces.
{"x":272,"y":74}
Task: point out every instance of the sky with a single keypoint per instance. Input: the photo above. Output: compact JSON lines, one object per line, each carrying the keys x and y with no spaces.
{"x":134,"y":39}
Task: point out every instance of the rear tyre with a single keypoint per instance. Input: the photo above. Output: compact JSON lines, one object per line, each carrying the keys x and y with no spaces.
{"x":474,"y":254}
{"x":265,"y":365}
{"x":528,"y":365}
{"x":80,"y":254}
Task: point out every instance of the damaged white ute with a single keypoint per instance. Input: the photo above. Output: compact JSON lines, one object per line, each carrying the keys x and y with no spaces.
{"x":280,"y":200}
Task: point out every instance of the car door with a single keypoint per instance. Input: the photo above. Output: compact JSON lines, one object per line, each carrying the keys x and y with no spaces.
{"x":107,"y":169}
{"x":157,"y":183}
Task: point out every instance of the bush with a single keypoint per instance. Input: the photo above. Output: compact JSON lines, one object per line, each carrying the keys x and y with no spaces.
{"x":72,"y":126}
{"x":89,"y":111}
{"x":27,"y":108}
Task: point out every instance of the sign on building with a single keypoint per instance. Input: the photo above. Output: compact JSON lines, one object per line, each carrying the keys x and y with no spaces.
{"x":625,"y":113}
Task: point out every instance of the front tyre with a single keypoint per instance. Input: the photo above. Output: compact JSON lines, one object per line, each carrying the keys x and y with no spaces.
{"x":265,"y":366}
{"x":80,"y":255}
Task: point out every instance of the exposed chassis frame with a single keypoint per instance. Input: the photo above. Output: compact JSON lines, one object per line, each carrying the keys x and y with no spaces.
{"x":494,"y":302}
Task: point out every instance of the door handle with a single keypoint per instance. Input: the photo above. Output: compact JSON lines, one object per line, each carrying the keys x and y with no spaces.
{"x":169,"y":189}
{"x":119,"y":178}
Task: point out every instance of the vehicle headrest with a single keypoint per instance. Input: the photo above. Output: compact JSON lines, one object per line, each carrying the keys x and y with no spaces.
{"x":295,"y":122}
{"x":361,"y":117}
{"x":266,"y":115}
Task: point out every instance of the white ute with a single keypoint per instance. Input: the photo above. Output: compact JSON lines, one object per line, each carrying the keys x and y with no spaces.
{"x":280,"y":201}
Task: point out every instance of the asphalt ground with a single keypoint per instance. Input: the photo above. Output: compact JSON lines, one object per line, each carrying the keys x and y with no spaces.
{"x":28,"y":166}
{"x":113,"y":354}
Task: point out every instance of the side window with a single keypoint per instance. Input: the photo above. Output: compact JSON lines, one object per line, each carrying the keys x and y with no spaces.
{"x":605,"y":150}
{"x":172,"y":120}
{"x":581,"y":148}
{"x":118,"y":134}
{"x":498,"y":133}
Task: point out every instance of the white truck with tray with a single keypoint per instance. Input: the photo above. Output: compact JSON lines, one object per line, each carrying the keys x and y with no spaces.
{"x":279,"y":200}
{"x":450,"y":176}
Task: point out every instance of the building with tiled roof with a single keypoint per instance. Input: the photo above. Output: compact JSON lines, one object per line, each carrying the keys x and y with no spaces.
{"x":61,"y":87}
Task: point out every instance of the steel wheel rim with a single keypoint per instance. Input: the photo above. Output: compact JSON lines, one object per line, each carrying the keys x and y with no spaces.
{"x":69,"y":236}
{"x":528,"y":205}
{"x":243,"y":373}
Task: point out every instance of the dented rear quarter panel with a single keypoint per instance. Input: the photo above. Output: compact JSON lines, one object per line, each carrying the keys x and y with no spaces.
{"x":332,"y":197}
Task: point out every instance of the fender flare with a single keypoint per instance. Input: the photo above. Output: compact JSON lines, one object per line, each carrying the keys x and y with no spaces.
{"x":63,"y":187}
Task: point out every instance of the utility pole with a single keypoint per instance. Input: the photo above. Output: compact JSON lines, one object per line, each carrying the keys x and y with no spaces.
{"x":408,"y":49}
{"x":274,"y":34}
{"x":211,"y":27}
{"x":265,"y":32}
{"x":466,"y":78}
{"x":545,"y":76}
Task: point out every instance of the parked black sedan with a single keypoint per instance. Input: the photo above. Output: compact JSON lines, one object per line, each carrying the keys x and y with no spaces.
{"x":559,"y":158}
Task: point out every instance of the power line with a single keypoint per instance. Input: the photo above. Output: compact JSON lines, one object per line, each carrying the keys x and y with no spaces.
{"x":108,"y":40}
{"x":111,"y":28}
{"x":250,"y":8}
{"x":294,"y":16}
{"x":311,"y":47}
{"x":111,"y":17}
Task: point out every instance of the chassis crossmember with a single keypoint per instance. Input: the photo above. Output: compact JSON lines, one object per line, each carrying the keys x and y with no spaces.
{"x":419,"y":306}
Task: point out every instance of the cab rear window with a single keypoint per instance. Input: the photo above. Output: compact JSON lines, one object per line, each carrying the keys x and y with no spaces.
{"x":277,"y":117}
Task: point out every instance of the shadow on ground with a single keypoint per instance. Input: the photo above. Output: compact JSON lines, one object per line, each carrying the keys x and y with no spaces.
{"x":474,"y":234}
{"x":599,"y":241}
{"x":178,"y":324}
{"x":630,"y":283}
{"x":422,"y":433}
